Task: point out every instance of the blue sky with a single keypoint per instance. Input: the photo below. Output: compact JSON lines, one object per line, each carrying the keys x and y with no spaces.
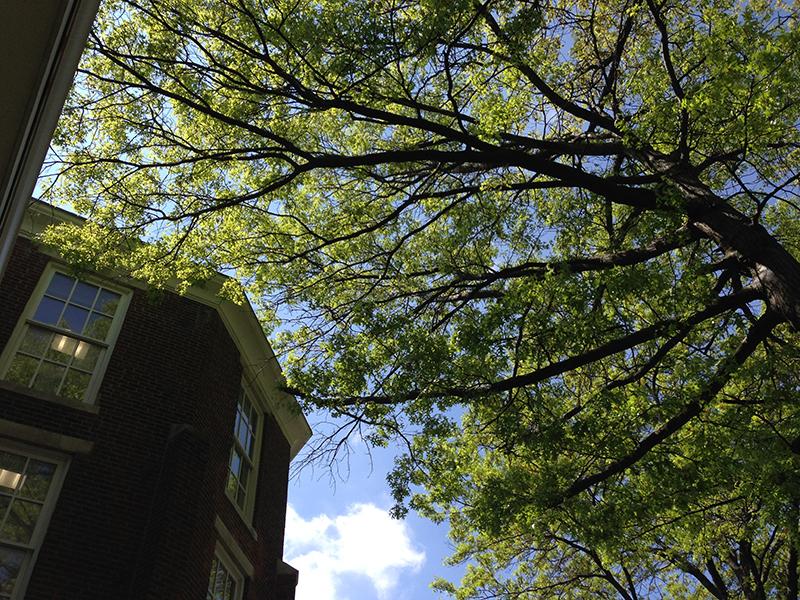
{"x":347,"y":547}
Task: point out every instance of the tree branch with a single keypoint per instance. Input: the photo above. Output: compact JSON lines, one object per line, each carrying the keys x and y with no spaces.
{"x":615,"y":346}
{"x":727,"y":367}
{"x":559,"y":101}
{"x":600,"y":262}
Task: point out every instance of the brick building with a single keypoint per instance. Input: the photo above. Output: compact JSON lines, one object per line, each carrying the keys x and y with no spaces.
{"x":144,"y":443}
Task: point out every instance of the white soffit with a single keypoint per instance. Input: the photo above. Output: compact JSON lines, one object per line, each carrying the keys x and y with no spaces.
{"x":41,"y":42}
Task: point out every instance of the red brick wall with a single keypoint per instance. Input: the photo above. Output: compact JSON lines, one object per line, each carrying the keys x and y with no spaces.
{"x":135,"y":517}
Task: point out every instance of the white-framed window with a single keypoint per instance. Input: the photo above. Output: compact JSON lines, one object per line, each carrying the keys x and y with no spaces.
{"x":225,"y":581}
{"x":242,"y":468}
{"x":62,"y":343}
{"x":29,"y":485}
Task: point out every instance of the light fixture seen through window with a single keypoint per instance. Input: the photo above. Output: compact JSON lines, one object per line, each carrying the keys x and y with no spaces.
{"x":10,"y":479}
{"x":66,"y":345}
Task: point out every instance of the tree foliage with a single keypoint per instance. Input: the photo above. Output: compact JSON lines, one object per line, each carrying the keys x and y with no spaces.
{"x":553,"y":246}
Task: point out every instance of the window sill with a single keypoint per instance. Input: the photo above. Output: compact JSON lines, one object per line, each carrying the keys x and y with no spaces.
{"x":231,"y":546}
{"x":21,"y":389}
{"x":43,"y":438}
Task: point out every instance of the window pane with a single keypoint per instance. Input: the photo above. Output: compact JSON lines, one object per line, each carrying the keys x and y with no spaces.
{"x":236,"y":462}
{"x":244,"y":438}
{"x":97,"y":327}
{"x":60,"y":286}
{"x":38,"y":477}
{"x":12,"y":476}
{"x":21,"y":521}
{"x":61,"y":348}
{"x":22,"y":369}
{"x":243,"y":450}
{"x":84,"y":294}
{"x":244,"y":474}
{"x":219,"y":588}
{"x":107,"y":302}
{"x":35,"y":341}
{"x":49,"y":311}
{"x":48,"y":379}
{"x":251,"y":447}
{"x":12,"y":462}
{"x":213,"y":577}
{"x":11,"y":561}
{"x":75,"y":385}
{"x":74,"y":318}
{"x":86,"y":356}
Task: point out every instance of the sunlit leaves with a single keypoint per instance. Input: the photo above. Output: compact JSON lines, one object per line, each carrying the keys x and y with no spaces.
{"x":524,"y":239}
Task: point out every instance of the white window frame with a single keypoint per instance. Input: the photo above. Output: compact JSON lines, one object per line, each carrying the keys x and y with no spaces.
{"x":231,"y":569}
{"x":34,"y":545}
{"x":106,"y":346}
{"x":246,"y":509}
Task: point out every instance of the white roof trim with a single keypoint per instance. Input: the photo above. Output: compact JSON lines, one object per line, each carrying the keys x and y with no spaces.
{"x":261,"y":367}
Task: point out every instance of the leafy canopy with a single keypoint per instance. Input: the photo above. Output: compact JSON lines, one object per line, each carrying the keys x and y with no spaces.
{"x":550,"y":246}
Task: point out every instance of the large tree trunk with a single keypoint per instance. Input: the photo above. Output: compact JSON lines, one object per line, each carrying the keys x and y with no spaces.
{"x":770,"y":265}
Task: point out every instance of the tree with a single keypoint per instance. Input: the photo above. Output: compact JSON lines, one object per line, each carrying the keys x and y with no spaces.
{"x":552,"y":246}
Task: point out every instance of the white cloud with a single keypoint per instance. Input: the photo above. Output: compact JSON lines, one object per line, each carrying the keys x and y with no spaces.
{"x":364,"y":542}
